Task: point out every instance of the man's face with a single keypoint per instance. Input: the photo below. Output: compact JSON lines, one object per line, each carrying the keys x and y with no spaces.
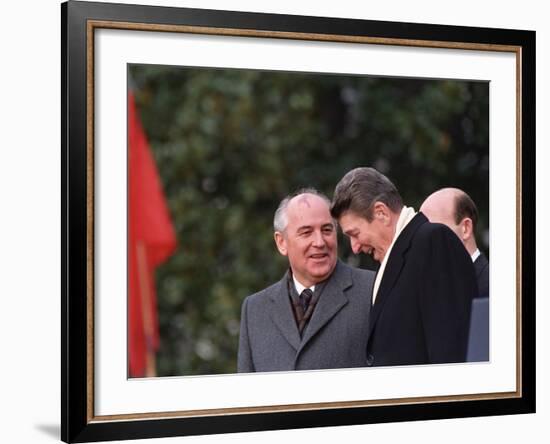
{"x":372,"y":238}
{"x":309,"y":239}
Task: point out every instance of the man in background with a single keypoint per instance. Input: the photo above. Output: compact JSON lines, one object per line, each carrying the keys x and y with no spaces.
{"x":316,"y":316}
{"x":454,"y":208}
{"x":424,"y":287}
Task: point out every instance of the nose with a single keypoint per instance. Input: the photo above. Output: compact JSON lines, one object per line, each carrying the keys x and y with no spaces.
{"x":355,"y":246}
{"x":318,"y":239}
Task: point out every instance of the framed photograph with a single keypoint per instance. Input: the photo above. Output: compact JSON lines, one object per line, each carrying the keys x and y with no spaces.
{"x":182,"y":130}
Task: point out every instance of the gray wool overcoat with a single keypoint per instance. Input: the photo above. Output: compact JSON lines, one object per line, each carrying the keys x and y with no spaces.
{"x":336,"y":336}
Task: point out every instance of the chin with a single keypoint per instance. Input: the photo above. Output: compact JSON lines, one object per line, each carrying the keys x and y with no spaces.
{"x":380,"y":257}
{"x":322,"y":273}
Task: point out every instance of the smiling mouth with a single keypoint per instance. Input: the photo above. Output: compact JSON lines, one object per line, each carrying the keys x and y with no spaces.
{"x":319,"y":256}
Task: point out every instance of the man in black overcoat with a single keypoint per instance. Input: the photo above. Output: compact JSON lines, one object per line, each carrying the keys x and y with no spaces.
{"x":425,"y":283}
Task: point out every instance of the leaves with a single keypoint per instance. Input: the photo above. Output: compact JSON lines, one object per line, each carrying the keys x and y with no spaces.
{"x":230,"y":144}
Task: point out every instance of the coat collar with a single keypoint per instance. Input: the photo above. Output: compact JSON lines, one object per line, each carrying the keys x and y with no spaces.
{"x":282,"y":315}
{"x":480,"y":264}
{"x":331,"y":300}
{"x":395,"y":263}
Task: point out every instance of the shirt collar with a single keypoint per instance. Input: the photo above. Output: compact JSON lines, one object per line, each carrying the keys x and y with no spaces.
{"x":476,"y":254}
{"x":299,"y":287}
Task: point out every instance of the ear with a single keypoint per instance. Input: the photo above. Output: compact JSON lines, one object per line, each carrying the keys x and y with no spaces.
{"x":280,"y":241}
{"x":381,"y":212}
{"x":466,"y":228}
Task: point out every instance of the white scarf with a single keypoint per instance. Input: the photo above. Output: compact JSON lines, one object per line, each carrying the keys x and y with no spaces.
{"x":406,"y":215}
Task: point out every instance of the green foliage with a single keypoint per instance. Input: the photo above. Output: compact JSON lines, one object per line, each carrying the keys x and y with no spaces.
{"x":230,"y":144}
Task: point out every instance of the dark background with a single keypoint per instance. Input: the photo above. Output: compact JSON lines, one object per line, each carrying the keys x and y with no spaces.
{"x":230,"y":144}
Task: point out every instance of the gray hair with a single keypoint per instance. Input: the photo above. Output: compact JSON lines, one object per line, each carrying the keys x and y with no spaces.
{"x":359,"y":189}
{"x":280,"y":220}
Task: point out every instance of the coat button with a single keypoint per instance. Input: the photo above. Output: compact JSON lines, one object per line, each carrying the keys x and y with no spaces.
{"x":370,"y":360}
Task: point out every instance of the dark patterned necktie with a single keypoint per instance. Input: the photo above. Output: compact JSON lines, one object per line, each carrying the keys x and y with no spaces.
{"x":305,"y":306}
{"x":305,"y":298}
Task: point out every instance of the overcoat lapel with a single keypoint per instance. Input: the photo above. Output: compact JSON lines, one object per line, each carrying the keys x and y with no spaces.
{"x":394,"y":266}
{"x":282,"y":314}
{"x":480,"y":264}
{"x":331,"y":301}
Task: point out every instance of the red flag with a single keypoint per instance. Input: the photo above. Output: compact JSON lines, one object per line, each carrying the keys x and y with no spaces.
{"x":151,"y":241}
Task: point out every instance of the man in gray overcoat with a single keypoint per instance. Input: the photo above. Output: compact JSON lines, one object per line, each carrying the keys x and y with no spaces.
{"x":316,"y":316}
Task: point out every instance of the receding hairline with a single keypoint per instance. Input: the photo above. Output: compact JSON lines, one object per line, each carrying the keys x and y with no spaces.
{"x":304,"y":197}
{"x":457,"y":197}
{"x":444,"y":194}
{"x":281,"y":214}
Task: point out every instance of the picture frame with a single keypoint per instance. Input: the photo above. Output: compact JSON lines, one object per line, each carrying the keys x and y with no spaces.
{"x":80,"y":181}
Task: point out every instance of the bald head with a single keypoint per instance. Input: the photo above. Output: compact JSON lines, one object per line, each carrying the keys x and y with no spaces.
{"x":454,"y":208}
{"x":301,"y":196}
{"x":440,"y":206}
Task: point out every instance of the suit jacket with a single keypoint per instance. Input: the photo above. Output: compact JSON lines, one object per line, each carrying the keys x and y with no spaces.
{"x":481,"y":266}
{"x":421,"y":312}
{"x":335,"y":337}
